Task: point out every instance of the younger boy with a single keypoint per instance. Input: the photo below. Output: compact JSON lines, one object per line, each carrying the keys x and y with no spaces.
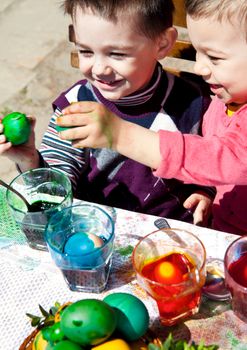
{"x":119,"y":44}
{"x":217,"y":29}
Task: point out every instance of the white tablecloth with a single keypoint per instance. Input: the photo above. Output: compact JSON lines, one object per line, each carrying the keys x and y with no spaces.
{"x":29,"y":278}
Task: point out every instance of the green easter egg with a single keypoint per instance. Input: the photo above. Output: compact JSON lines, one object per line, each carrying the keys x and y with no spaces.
{"x":132,"y":315}
{"x":17,"y":128}
{"x":67,"y":345}
{"x":88,"y":322}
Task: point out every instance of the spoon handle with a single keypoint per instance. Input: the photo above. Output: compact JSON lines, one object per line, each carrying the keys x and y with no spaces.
{"x":15,"y":191}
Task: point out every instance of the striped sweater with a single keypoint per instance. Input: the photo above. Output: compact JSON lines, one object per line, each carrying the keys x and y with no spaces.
{"x":104,"y":176}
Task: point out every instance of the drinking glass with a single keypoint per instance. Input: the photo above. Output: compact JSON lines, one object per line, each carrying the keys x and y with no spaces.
{"x":170,"y":266}
{"x":48,"y":191}
{"x":80,"y":240}
{"x":235,"y":264}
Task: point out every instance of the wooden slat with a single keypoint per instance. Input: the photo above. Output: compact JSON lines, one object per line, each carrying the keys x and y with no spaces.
{"x":74,"y":59}
{"x":71,"y":33}
{"x":179,"y":18}
{"x":183,"y":49}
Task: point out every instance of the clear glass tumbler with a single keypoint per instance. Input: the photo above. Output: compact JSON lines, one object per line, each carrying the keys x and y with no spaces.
{"x":48,"y":191}
{"x":235,"y":264}
{"x":170,"y":266}
{"x":80,"y":240}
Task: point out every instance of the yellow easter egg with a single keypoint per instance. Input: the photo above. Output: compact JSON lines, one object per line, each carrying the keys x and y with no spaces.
{"x":39,"y":343}
{"x":116,"y":344}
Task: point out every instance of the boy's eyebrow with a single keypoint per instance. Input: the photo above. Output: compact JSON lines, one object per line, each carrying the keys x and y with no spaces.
{"x":211,"y":49}
{"x":110,"y":47}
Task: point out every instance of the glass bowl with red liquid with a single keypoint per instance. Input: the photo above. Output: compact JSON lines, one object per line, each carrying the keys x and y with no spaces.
{"x":170,"y":267}
{"x":235,"y":265}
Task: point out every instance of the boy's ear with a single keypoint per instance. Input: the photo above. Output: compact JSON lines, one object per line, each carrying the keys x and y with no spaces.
{"x":166,"y":41}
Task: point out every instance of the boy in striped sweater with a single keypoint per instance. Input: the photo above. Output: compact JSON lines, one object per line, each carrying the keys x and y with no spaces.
{"x":119,"y":45}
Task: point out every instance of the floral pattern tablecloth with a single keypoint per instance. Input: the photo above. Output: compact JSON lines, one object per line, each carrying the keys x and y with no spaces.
{"x":29,"y":278}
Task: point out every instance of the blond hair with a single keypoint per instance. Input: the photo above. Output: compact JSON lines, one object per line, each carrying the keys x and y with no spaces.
{"x":219,"y":9}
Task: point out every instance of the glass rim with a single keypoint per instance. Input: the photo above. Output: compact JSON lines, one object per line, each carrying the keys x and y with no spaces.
{"x":195,"y":272}
{"x":241,"y":287}
{"x":75,"y":206}
{"x":70,"y":193}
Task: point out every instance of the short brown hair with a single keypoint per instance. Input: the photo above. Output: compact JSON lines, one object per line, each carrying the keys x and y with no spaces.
{"x":154,"y":16}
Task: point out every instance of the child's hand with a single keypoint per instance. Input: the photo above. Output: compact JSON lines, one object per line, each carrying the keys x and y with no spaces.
{"x":201,"y":204}
{"x":90,"y":125}
{"x":19,"y":154}
{"x":4,"y":145}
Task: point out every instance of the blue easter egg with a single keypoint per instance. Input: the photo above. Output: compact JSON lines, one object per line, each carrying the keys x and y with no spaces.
{"x":81,"y":250}
{"x":78,"y":244}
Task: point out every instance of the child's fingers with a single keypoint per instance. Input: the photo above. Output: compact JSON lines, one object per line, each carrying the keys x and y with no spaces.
{"x":80,"y":107}
{"x":75,"y":119}
{"x":4,"y":146}
{"x":1,"y":128}
{"x":32,"y":120}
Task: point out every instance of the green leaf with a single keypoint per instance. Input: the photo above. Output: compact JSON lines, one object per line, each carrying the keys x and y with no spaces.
{"x":57,"y":305}
{"x":53,"y":310}
{"x":167,"y":345}
{"x":153,"y":347}
{"x":171,"y":344}
{"x":31,"y":315}
{"x":180,"y":345}
{"x":35,"y":321}
{"x":43,"y":311}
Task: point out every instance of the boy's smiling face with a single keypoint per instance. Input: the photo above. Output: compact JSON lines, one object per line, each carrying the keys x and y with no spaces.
{"x":221,"y":56}
{"x":116,"y":59}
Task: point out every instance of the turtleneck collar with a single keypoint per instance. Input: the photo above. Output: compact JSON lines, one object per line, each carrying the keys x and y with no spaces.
{"x":142,"y":96}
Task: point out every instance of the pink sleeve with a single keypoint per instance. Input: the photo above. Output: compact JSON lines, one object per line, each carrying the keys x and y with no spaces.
{"x":210,"y":160}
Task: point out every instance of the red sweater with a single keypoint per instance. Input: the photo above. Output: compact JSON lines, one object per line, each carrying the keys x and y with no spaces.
{"x":219,"y":158}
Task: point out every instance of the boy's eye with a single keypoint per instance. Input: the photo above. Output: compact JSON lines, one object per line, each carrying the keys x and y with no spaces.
{"x":214,"y":59}
{"x":118,"y":54}
{"x":86,"y":53}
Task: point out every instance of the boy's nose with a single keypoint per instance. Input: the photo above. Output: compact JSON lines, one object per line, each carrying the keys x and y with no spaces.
{"x":100,"y":67}
{"x":201,"y":69}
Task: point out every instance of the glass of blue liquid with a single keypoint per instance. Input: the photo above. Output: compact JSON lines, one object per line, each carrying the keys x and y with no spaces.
{"x":80,"y":239}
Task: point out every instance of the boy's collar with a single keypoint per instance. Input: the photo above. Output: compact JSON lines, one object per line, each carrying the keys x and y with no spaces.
{"x":143,"y":95}
{"x":231,"y":108}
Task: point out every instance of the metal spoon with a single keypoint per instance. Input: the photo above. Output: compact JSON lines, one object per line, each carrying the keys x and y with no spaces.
{"x":214,"y":287}
{"x":29,"y":207}
{"x":162,"y":223}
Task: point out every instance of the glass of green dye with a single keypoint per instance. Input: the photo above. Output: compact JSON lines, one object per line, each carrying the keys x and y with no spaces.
{"x":48,"y":191}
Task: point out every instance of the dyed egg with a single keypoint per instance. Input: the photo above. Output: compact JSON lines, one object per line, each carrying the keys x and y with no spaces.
{"x":17,"y":128}
{"x":132,"y":315}
{"x":82,"y":243}
{"x":66,"y":345}
{"x":116,"y":344}
{"x":167,"y":273}
{"x":39,"y":343}
{"x":88,"y":322}
{"x":56,"y":333}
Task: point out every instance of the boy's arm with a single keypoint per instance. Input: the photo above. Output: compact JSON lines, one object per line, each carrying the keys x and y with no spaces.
{"x":97,"y":127}
{"x":61,"y":154}
{"x":186,"y":157}
{"x":137,"y":143}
